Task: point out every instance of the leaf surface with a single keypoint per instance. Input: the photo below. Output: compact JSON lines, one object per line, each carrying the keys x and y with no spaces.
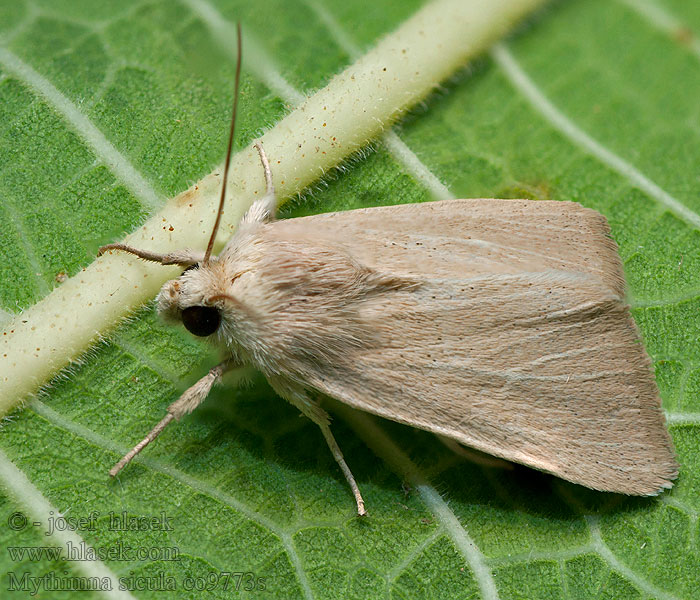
{"x":591,"y":101}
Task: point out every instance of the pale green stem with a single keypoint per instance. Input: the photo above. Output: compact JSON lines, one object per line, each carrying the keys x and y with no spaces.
{"x":355,"y":107}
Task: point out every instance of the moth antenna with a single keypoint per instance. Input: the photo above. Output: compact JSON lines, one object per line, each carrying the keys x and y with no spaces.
{"x":227,"y":162}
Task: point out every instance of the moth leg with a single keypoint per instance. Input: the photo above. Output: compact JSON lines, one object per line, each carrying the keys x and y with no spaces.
{"x":190,"y":399}
{"x":263,"y":210}
{"x":472,"y":455}
{"x":338,"y":455}
{"x":297,"y":396}
{"x":184,"y":258}
{"x":270,"y":191}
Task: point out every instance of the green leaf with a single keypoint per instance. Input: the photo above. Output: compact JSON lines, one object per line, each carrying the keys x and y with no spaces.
{"x":593,"y":101}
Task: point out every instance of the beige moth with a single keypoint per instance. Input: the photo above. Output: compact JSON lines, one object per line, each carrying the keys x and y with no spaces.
{"x":499,"y":324}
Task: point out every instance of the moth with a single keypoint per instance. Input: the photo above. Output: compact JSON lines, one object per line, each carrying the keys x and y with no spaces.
{"x":500,"y":324}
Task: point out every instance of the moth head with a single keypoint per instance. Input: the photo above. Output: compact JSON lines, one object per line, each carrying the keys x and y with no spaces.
{"x":194,"y":299}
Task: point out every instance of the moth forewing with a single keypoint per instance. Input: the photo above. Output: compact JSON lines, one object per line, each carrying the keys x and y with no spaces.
{"x":499,"y":323}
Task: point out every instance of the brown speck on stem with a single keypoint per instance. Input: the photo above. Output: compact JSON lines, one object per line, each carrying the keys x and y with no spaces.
{"x":684,"y":35}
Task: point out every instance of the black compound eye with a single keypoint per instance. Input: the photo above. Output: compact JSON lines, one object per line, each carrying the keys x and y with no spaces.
{"x":201,"y":320}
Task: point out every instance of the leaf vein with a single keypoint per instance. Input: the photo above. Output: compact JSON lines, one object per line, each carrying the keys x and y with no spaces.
{"x":37,"y":505}
{"x":527,"y":87}
{"x":664,"y":21}
{"x":260,"y":62}
{"x":91,"y":135}
{"x":385,"y":448}
{"x":92,"y":436}
{"x":37,"y":267}
{"x":615,"y":563}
